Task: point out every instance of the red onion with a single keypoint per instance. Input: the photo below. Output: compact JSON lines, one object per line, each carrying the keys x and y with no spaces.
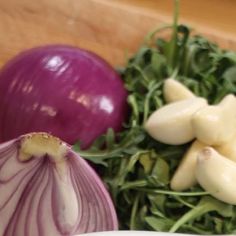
{"x":48,"y":189}
{"x":66,"y":91}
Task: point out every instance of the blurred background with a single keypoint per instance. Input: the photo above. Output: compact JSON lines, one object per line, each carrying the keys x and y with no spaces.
{"x":108,"y":27}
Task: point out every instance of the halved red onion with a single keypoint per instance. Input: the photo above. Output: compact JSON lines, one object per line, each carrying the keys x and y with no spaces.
{"x":66,"y":91}
{"x":48,"y":189}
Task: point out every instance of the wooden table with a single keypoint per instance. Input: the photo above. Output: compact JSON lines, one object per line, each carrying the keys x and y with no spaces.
{"x":108,"y":27}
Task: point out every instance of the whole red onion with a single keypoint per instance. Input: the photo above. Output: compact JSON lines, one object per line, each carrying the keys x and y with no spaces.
{"x":66,"y":91}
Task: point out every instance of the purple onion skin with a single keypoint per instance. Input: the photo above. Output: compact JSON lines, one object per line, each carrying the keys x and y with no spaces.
{"x":66,"y":91}
{"x":31,"y":199}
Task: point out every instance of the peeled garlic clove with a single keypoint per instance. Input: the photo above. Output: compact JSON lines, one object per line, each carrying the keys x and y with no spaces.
{"x":174,"y":91}
{"x":228,"y":149}
{"x":216,"y":174}
{"x":228,"y":102}
{"x":171,"y":124}
{"x":184,"y":176}
{"x":215,"y":125}
{"x":48,"y":189}
{"x":207,"y":124}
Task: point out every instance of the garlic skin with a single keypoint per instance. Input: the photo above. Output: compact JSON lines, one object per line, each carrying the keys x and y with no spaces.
{"x":216,"y":174}
{"x":171,"y":124}
{"x":184,"y":177}
{"x":174,"y":91}
{"x":48,"y":189}
{"x":215,"y":125}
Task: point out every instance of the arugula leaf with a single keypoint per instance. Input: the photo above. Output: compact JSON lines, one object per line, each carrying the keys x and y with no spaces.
{"x":160,"y":225}
{"x":207,"y":204}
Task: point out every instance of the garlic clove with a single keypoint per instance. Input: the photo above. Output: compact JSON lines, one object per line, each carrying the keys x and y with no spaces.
{"x":171,"y":124}
{"x":184,"y":176}
{"x":216,"y":174}
{"x":228,"y":101}
{"x":207,"y":125}
{"x":215,"y":125}
{"x":174,"y":91}
{"x":228,"y":149}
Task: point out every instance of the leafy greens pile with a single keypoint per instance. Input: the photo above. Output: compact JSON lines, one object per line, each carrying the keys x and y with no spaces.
{"x":138,"y":169}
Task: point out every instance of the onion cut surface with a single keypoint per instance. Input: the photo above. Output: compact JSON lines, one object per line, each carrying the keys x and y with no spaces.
{"x":48,"y":189}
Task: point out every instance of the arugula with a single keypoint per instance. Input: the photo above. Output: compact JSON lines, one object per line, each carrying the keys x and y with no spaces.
{"x":138,"y":169}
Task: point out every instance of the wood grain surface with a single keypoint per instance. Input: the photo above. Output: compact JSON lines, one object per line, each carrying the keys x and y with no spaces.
{"x":109,"y":27}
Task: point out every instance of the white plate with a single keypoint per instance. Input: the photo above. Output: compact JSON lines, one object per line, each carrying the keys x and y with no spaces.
{"x":131,"y":233}
{"x":137,"y":233}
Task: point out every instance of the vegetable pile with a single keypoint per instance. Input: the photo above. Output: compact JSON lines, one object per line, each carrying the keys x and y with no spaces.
{"x":165,"y":170}
{"x":139,"y":169}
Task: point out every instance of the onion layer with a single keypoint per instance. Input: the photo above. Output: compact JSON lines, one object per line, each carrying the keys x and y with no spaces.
{"x":47,"y":189}
{"x":66,"y":91}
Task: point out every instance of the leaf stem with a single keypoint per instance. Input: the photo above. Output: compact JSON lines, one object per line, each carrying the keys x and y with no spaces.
{"x":173,"y":43}
{"x":134,"y":213}
{"x":173,"y":193}
{"x":148,"y":39}
{"x":147,"y":101}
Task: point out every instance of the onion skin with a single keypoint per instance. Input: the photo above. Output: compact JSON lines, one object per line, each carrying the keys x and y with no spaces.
{"x":66,"y":91}
{"x":44,"y":196}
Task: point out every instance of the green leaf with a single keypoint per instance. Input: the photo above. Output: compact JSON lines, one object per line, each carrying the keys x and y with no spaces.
{"x":230,"y":55}
{"x":207,"y":204}
{"x":110,"y":138}
{"x":159,"y":224}
{"x":147,"y":162}
{"x":160,"y":172}
{"x":230,"y":79}
{"x":157,"y":204}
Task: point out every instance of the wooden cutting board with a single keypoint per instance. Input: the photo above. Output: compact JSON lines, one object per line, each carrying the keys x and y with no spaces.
{"x":109,"y":27}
